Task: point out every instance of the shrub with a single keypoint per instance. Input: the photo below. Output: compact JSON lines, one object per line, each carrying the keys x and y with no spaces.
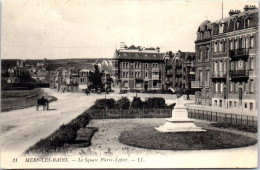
{"x":137,"y":103}
{"x":154,"y":103}
{"x":104,"y":103}
{"x":123,"y":103}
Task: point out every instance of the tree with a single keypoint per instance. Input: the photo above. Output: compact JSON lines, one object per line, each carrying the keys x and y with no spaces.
{"x":96,"y":77}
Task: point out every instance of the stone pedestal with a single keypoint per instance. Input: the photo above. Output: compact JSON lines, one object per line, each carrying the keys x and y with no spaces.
{"x":179,"y":122}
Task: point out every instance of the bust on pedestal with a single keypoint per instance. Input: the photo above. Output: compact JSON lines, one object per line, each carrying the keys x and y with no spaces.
{"x":179,"y":122}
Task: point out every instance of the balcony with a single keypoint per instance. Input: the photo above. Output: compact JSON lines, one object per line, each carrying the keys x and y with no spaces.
{"x":239,"y":73}
{"x":178,"y":65}
{"x":239,"y":53}
{"x":168,"y":67}
{"x":219,"y":75}
{"x":155,"y":70}
{"x":196,"y":84}
{"x":155,"y":77}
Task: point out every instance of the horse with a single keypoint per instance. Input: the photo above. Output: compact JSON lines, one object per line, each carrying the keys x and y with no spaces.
{"x":87,"y":92}
{"x":42,"y":102}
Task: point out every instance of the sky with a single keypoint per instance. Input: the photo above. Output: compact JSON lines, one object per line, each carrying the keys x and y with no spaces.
{"x":60,"y":29}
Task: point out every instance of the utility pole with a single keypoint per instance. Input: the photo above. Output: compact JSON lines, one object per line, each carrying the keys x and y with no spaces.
{"x":222,"y":9}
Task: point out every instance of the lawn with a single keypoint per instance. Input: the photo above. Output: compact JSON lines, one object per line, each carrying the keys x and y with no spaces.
{"x":148,"y":137}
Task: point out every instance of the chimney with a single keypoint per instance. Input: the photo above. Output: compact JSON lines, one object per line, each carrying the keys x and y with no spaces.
{"x":233,"y":12}
{"x":158,"y":49}
{"x":249,"y":7}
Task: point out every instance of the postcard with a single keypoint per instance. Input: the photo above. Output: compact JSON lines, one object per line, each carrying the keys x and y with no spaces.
{"x":129,"y":84}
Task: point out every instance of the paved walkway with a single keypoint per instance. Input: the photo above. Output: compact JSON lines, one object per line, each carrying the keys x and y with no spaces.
{"x":22,"y":128}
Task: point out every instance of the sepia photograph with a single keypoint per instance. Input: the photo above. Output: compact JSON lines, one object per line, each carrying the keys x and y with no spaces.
{"x":129,"y":84}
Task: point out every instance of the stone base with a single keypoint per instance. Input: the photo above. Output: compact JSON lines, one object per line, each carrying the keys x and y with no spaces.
{"x":181,"y":126}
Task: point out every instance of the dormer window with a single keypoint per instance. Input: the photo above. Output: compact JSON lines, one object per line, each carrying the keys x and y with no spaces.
{"x":221,"y":28}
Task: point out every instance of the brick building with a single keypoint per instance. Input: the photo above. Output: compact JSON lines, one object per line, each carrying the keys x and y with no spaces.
{"x":179,"y":70}
{"x":138,"y":69}
{"x":232,"y":45}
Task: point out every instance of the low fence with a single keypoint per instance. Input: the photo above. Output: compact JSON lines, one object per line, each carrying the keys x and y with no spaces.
{"x":234,"y":119}
{"x":211,"y":116}
{"x":131,"y":113}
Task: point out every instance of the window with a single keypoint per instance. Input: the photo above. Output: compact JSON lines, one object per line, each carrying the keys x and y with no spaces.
{"x":230,"y":104}
{"x":220,"y":46}
{"x":155,"y":84}
{"x":236,"y":44}
{"x":245,"y":105}
{"x":215,"y":47}
{"x":206,"y":54}
{"x":221,"y":26}
{"x":231,"y":87}
{"x":126,"y":74}
{"x":251,"y":106}
{"x":251,"y":86}
{"x":225,"y":67}
{"x":251,"y":42}
{"x":235,"y":104}
{"x":201,"y":54}
{"x":221,"y":87}
{"x":146,"y":65}
{"x":216,"y":88}
{"x":123,"y":74}
{"x":146,"y":74}
{"x":251,"y":63}
{"x":215,"y":102}
{"x":230,"y":45}
{"x":220,"y":103}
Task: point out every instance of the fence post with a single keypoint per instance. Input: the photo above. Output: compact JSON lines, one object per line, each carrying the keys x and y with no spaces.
{"x":253,"y":121}
{"x":216,"y":116}
{"x":231,"y":119}
{"x":211,"y":116}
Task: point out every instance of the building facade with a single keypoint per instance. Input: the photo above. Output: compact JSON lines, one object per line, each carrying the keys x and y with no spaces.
{"x":232,"y":45}
{"x":138,"y":69}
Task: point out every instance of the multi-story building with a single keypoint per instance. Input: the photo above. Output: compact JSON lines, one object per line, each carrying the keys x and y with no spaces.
{"x":139,"y":69}
{"x":232,"y":45}
{"x":202,"y":64}
{"x":179,"y":70}
{"x":168,"y":60}
{"x":84,"y":81}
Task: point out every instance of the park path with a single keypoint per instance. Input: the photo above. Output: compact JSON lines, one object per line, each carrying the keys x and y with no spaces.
{"x":22,"y":128}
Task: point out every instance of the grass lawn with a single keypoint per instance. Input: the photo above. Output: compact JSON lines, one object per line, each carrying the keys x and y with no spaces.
{"x":148,"y":137}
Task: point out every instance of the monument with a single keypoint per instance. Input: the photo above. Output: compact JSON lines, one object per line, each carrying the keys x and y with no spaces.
{"x":179,"y":122}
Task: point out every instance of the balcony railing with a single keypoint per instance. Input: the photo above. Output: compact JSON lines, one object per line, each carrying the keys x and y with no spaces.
{"x":196,"y":84}
{"x":239,"y":53}
{"x":155,"y":70}
{"x":219,"y":74}
{"x":178,"y":65}
{"x":239,"y":73}
{"x":169,"y":67}
{"x":155,"y":77}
